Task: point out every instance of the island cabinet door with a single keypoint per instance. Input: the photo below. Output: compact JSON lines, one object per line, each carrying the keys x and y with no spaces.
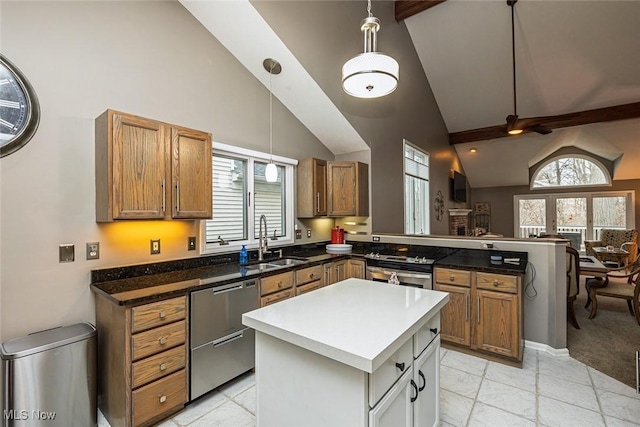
{"x":396,"y":407}
{"x":496,"y":323}
{"x":426,"y":408}
{"x":455,"y":316}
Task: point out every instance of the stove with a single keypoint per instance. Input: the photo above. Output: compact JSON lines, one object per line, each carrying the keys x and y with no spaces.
{"x":406,"y":268}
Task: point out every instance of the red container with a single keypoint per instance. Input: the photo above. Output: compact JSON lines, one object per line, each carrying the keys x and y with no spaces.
{"x":337,"y":235}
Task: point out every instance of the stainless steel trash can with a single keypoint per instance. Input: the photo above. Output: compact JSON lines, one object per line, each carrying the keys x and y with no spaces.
{"x":50,"y":378}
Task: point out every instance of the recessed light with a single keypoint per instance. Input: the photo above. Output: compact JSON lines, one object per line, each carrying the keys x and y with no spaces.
{"x":473,"y":149}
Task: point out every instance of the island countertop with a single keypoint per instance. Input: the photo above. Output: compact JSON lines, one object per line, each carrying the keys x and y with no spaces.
{"x":357,"y":322}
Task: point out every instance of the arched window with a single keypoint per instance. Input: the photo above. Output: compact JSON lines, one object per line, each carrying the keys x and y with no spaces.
{"x":570,"y":171}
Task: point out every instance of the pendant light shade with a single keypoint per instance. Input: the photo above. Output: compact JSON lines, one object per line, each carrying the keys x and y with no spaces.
{"x":370,"y":74}
{"x":271,"y":171}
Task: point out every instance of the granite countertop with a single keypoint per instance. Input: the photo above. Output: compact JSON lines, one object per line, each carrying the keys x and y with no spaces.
{"x":374,"y":320}
{"x":480,"y":260}
{"x":148,"y":287}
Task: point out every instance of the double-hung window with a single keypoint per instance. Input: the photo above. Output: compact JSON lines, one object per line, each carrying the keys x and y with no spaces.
{"x":416,"y":190}
{"x":241,"y":195}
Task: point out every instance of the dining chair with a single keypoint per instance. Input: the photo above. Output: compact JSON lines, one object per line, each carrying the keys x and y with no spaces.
{"x":622,"y":282}
{"x":573,"y":281}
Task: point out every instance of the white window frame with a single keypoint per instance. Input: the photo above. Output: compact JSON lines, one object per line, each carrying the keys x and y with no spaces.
{"x":251,"y":242}
{"x":603,"y":169}
{"x":427,"y":213}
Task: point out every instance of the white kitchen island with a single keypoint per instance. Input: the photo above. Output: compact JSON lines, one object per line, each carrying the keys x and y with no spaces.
{"x":355,"y":354}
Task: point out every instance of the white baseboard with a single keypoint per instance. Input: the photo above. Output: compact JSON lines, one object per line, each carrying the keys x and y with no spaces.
{"x":560,"y":352}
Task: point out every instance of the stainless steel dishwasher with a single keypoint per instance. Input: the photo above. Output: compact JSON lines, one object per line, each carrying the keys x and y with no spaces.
{"x":221,"y":346}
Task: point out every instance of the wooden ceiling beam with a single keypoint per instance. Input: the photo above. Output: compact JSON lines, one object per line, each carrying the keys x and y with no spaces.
{"x":407,"y":8}
{"x":598,"y":115}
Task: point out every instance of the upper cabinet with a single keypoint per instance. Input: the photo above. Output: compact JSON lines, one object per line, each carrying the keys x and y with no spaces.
{"x":347,"y":189}
{"x":332,"y":188}
{"x":146,"y":169}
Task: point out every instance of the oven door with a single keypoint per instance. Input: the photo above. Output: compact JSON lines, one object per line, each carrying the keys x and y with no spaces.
{"x":406,"y":278}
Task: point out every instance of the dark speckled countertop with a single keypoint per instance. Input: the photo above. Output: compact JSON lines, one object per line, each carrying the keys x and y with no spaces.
{"x":140,"y":284}
{"x":132,"y":285}
{"x":480,"y":260}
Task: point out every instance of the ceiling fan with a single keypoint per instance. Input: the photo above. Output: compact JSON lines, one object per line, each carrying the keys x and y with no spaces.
{"x":515,"y":125}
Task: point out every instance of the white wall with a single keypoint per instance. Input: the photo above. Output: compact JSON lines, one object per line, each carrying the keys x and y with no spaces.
{"x":148,"y":58}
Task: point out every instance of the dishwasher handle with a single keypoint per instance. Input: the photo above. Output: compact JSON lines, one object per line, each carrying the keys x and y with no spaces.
{"x":229,"y":338}
{"x":233,"y":287}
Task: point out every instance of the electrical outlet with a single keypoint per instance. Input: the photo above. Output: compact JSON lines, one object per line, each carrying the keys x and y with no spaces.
{"x":308,"y":232}
{"x":191,"y":243}
{"x":486,"y":245}
{"x":66,"y":253}
{"x":298,"y":234}
{"x":376,"y":238}
{"x":93,"y":250}
{"x":155,"y":246}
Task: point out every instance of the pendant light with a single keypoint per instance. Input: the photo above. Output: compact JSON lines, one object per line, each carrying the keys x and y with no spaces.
{"x":271,"y":171}
{"x":370,"y":74}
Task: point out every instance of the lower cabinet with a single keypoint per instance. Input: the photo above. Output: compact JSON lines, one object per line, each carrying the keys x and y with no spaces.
{"x":276,"y":288}
{"x":357,"y":268}
{"x":335,"y":271}
{"x":309,"y":279}
{"x":484,"y":312}
{"x":143,"y":359}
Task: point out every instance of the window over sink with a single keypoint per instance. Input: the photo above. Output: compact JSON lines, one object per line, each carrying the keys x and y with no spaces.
{"x":241,"y":195}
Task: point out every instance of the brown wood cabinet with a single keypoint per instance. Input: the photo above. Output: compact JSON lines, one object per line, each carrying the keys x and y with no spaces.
{"x":311,"y":188}
{"x":335,"y":271}
{"x":347,"y":189}
{"x":276,"y":288}
{"x":309,"y":279}
{"x":484,"y":313}
{"x":146,"y":169}
{"x":356,"y":268}
{"x":143,"y":358}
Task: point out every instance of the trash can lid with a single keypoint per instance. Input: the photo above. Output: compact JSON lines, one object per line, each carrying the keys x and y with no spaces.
{"x":46,"y":340}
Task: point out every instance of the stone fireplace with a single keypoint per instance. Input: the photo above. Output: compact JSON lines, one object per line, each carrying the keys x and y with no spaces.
{"x":459,"y":222}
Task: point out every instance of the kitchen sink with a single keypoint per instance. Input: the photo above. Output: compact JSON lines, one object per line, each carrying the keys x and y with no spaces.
{"x":276,"y":263}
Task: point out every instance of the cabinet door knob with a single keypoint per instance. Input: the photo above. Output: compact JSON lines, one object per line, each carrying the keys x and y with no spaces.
{"x":311,"y":276}
{"x":400,"y":366}
{"x":163,"y":366}
{"x":434,"y":331}
{"x":163,"y":399}
{"x":163,"y":314}
{"x":496,"y":283}
{"x":279,"y":284}
{"x":162,"y":340}
{"x":451,"y":278}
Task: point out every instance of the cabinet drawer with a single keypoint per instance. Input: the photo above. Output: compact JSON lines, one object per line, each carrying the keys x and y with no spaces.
{"x":308,"y":287}
{"x":425,"y":335}
{"x":276,"y":283}
{"x":158,"y":313}
{"x":146,"y":370}
{"x":497,"y":282}
{"x":157,"y":340}
{"x":453,"y":277}
{"x":381,"y":380}
{"x":159,"y":397}
{"x":307,"y":275}
{"x":278,"y":296}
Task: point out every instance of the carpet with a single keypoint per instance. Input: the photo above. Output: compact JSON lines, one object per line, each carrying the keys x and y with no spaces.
{"x":607,"y":342}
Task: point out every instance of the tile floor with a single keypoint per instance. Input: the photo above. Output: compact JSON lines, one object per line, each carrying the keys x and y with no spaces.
{"x":548,"y":391}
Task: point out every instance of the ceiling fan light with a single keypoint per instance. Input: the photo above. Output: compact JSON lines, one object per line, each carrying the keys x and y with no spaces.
{"x":512,"y":125}
{"x":271,"y":172}
{"x":514,"y":131}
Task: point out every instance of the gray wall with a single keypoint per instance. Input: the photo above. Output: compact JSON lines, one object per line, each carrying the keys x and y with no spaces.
{"x":501,"y":199}
{"x":323,"y":35}
{"x":152,"y":59}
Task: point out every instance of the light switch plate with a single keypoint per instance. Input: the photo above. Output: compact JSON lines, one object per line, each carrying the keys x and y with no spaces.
{"x":93,"y":250}
{"x":191,"y":243}
{"x":298,"y":234}
{"x":155,"y":246}
{"x":66,"y":253}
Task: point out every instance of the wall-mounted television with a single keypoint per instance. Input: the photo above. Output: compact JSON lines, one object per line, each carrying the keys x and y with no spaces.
{"x":458,"y":187}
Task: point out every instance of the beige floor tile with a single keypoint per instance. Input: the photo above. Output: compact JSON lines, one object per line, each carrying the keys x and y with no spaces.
{"x":484,"y":415}
{"x":508,"y":399}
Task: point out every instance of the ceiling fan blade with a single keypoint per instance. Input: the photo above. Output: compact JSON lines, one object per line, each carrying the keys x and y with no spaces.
{"x":542,"y":130}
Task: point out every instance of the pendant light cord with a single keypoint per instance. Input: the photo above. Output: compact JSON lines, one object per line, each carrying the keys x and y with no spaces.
{"x":369,"y":8}
{"x":271,"y":114}
{"x":513,"y":56}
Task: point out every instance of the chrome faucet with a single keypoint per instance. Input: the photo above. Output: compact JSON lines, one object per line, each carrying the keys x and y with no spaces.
{"x":262,"y":248}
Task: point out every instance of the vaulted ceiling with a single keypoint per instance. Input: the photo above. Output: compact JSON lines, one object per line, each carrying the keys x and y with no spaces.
{"x":571,"y":56}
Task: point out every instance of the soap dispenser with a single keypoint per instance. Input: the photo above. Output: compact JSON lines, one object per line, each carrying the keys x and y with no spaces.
{"x":244,"y":256}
